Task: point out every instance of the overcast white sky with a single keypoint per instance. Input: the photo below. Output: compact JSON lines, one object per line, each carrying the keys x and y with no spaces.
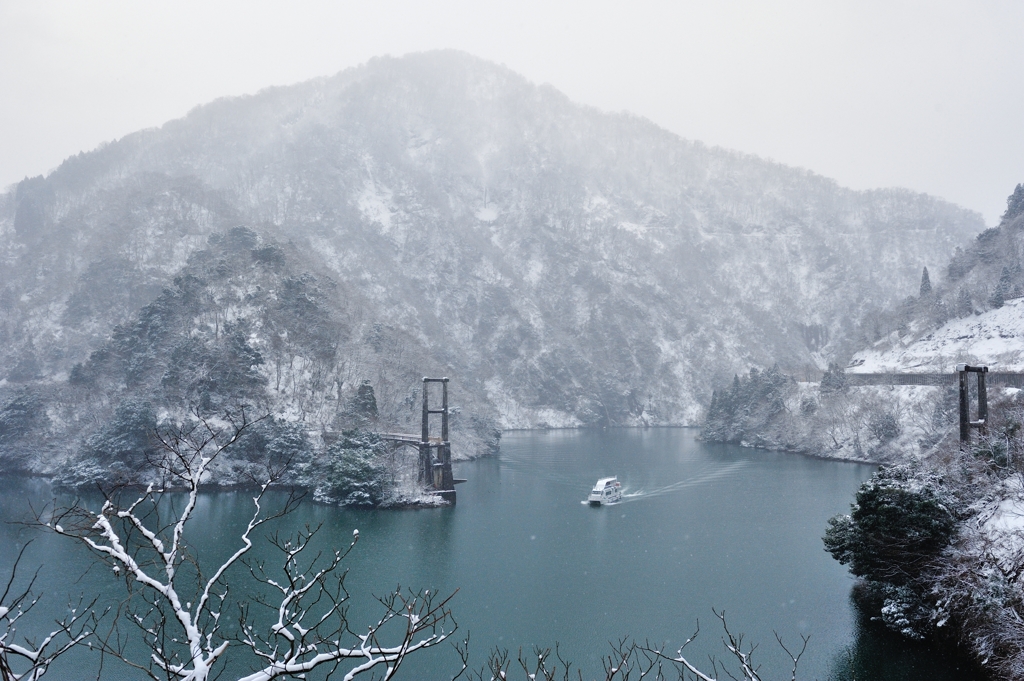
{"x":924,"y":95}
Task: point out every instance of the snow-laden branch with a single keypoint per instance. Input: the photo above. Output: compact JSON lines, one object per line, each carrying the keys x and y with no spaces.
{"x":734,"y":645}
{"x":31,"y":659}
{"x":629,"y":660}
{"x":310,"y":625}
{"x":179,"y":612}
{"x":133,"y":540}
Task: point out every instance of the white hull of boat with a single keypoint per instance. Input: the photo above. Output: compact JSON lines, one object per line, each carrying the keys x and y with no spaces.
{"x":607,"y":491}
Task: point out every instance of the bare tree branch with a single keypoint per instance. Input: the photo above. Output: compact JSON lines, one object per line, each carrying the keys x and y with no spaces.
{"x":179,"y":612}
{"x":31,"y":659}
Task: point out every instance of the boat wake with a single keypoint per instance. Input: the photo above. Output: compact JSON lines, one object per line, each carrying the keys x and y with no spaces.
{"x":699,"y":479}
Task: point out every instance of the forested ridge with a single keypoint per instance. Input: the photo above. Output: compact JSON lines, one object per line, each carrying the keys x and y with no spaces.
{"x":436,"y":215}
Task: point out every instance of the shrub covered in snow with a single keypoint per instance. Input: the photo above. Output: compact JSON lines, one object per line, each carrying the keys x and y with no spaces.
{"x":902,"y":520}
{"x":350,"y":472}
{"x":899,"y":523}
{"x":940,"y":545}
{"x":905,"y":611}
{"x":834,"y":380}
{"x":884,"y":425}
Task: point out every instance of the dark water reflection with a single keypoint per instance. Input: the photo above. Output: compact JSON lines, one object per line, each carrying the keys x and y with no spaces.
{"x":700,"y":528}
{"x":878,"y":653}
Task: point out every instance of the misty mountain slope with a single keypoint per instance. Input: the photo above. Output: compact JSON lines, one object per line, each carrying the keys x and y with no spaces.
{"x":241,"y":324}
{"x":972,"y":311}
{"x":582,"y":267}
{"x":77,"y":265}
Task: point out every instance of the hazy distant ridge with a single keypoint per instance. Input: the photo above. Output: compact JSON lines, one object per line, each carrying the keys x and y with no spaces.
{"x":564,"y":266}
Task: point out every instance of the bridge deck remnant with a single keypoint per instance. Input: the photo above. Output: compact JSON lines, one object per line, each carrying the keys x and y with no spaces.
{"x":958,"y":378}
{"x":993,"y":378}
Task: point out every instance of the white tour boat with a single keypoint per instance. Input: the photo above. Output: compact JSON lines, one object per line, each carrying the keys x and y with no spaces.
{"x":606,"y":491}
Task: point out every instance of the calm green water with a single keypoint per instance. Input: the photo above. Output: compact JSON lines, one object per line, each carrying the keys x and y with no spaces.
{"x":701,"y":527}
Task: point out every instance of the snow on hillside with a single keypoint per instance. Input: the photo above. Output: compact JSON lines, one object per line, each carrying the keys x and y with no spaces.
{"x":563,"y":266}
{"x":994,"y":338}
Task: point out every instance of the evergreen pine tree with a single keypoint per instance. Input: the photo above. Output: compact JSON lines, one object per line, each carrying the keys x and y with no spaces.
{"x":834,"y":380}
{"x":926,"y":284}
{"x":1003,"y":289}
{"x":995,"y":301}
{"x":713,"y":428}
{"x":364,"y":403}
{"x":959,"y":265}
{"x":1014,"y":204}
{"x":964,"y":306}
{"x":939,"y":312}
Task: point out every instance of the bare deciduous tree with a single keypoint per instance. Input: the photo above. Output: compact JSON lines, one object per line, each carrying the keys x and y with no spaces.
{"x":31,"y":659}
{"x":629,"y":660}
{"x":179,"y":607}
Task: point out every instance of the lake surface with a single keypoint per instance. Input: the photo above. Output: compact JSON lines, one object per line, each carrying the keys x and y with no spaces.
{"x":700,"y":527}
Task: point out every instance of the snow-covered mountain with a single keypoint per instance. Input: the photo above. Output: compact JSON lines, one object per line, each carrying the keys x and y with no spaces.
{"x":562,"y":265}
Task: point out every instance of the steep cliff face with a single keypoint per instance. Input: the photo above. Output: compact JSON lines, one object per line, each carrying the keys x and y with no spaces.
{"x":563,"y":265}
